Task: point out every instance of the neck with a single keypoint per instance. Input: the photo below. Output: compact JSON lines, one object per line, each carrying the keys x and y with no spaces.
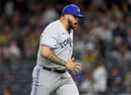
{"x":64,"y":23}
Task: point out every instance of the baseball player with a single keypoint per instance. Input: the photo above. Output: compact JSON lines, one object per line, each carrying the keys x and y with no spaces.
{"x":54,"y":56}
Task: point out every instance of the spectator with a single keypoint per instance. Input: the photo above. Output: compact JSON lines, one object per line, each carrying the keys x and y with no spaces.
{"x":128,"y":82}
{"x":7,"y":91}
{"x":117,"y":85}
{"x":86,"y":87}
{"x":100,"y":78}
{"x":50,"y":14}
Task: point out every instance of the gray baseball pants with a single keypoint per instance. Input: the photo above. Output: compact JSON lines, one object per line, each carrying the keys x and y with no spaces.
{"x":46,"y":82}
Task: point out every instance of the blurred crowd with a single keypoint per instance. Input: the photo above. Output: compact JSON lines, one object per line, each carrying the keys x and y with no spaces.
{"x":102,"y":44}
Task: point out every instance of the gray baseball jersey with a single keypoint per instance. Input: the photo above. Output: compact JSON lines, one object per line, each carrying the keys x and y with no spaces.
{"x":59,"y":40}
{"x":46,"y":82}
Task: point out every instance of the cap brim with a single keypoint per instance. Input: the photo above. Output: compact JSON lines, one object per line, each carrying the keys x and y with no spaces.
{"x":80,"y":16}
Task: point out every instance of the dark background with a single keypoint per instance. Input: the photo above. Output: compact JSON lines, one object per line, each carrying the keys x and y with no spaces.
{"x":104,"y":37}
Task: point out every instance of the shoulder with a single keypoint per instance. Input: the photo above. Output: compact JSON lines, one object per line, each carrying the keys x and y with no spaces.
{"x":52,"y":27}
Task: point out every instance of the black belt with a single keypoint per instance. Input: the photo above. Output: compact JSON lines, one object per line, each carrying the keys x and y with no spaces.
{"x":54,"y":70}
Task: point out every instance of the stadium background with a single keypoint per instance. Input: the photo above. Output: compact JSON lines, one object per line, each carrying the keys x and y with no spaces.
{"x":103,"y":41}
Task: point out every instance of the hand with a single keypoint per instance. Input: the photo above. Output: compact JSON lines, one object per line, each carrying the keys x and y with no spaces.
{"x":77,"y":69}
{"x":73,"y":66}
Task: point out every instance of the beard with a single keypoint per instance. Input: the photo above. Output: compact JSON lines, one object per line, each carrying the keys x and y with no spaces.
{"x":72,"y":26}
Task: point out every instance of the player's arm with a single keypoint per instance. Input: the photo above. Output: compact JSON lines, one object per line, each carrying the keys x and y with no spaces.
{"x":47,"y":53}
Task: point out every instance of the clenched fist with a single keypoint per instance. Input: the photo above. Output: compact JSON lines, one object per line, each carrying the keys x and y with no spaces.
{"x":73,"y":66}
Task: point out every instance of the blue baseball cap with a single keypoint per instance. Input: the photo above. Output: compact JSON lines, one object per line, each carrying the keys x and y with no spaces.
{"x":72,"y":9}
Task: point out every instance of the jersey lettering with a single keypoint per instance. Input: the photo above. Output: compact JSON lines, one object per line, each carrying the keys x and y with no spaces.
{"x":66,"y":42}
